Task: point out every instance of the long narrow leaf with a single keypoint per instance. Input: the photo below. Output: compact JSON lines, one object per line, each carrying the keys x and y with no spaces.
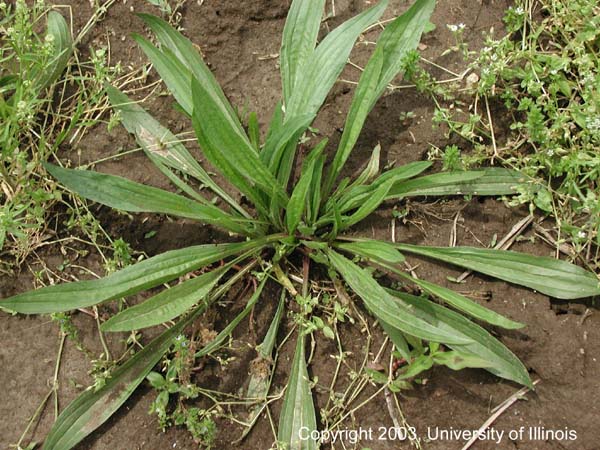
{"x":159,"y":142}
{"x":220,"y":141}
{"x":173,"y":72}
{"x":94,"y":407}
{"x":126,"y":195}
{"x":130,"y":280}
{"x":374,"y":250}
{"x":479,"y":343}
{"x":354,"y":196}
{"x":62,"y":43}
{"x":384,"y":306}
{"x":187,"y":55}
{"x":167,"y":305}
{"x":493,"y":181}
{"x":226,"y":332}
{"x":297,"y":418}
{"x":467,"y":305}
{"x":327,"y":62}
{"x":370,"y":205}
{"x":549,"y":276}
{"x":398,"y":38}
{"x":299,"y":40}
{"x":299,"y":200}
{"x":277,"y":143}
{"x":359,"y":110}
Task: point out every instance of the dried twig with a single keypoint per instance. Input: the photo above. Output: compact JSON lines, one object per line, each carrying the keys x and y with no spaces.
{"x":497,"y":412}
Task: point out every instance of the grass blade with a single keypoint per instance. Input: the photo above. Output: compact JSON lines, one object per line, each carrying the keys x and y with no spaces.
{"x":130,"y":280}
{"x":298,"y":411}
{"x":549,"y":276}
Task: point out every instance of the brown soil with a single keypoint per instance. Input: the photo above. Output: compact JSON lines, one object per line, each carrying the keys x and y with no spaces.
{"x":560,"y":344}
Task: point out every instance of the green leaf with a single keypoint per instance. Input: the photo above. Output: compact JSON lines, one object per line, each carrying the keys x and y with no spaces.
{"x":494,"y":181}
{"x":165,"y":306}
{"x":183,"y":50}
{"x":173,"y":72}
{"x":477,"y":342}
{"x":299,"y":200}
{"x":299,"y":40}
{"x":314,"y":204}
{"x":455,"y":299}
{"x":398,"y":38}
{"x":371,"y":170}
{"x":386,"y":307}
{"x":354,"y":196}
{"x":226,"y":147}
{"x":327,"y":62}
{"x":277,"y":144}
{"x":159,"y":142}
{"x":457,"y":361}
{"x":374,"y":250}
{"x":126,"y":195}
{"x":369,"y":205}
{"x":397,"y":337}
{"x":265,"y":349}
{"x":466,"y":305}
{"x":130,"y":280}
{"x":549,"y":276}
{"x":297,"y":418}
{"x":62,"y":43}
{"x":254,"y":131}
{"x":92,"y":408}
{"x":361,"y":106}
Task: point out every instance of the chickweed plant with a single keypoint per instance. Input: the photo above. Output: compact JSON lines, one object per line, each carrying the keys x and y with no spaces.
{"x":543,"y":76}
{"x":30,"y":64}
{"x":49,"y":97}
{"x":284,"y":219}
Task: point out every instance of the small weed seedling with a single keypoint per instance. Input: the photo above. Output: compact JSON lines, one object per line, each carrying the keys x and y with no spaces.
{"x":283,"y":220}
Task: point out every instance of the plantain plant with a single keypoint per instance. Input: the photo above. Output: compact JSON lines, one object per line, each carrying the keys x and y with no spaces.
{"x":275,"y":215}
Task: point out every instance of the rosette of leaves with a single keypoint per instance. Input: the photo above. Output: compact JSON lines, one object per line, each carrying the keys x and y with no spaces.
{"x":283,"y":215}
